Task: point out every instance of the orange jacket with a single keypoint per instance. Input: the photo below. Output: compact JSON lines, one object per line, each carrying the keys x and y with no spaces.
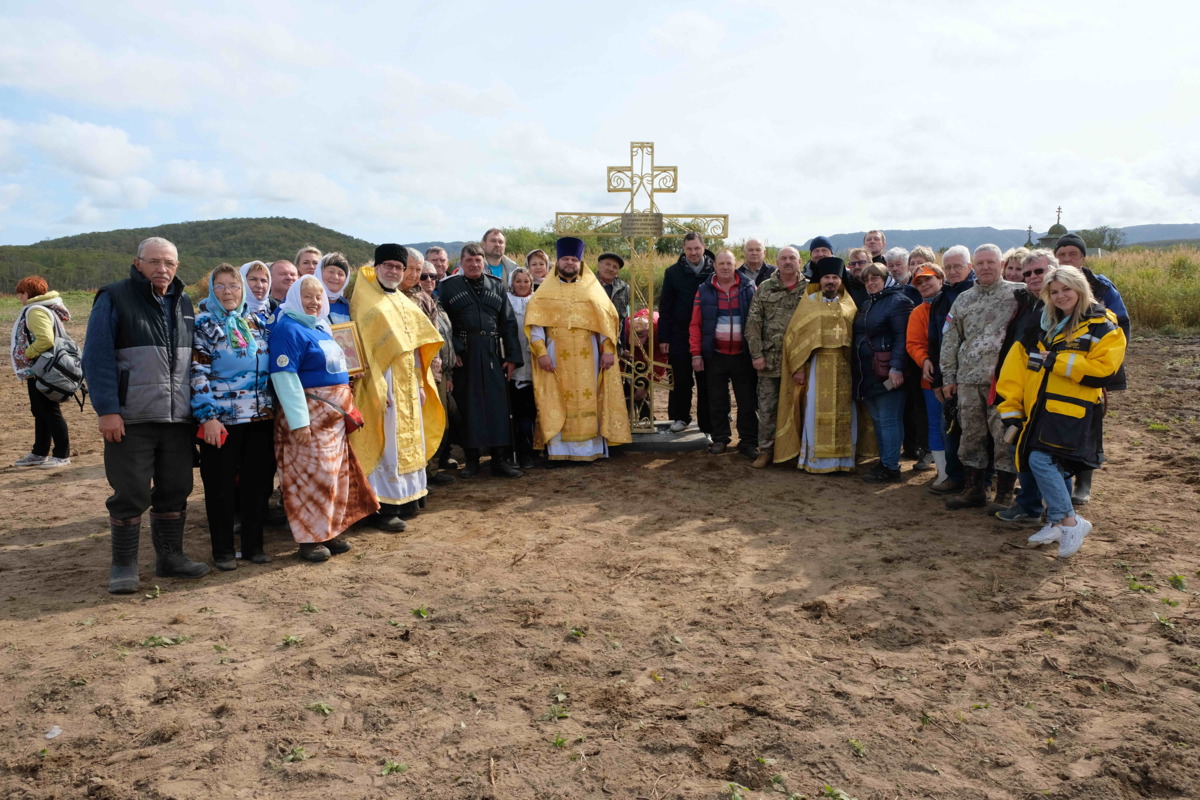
{"x":916,"y":341}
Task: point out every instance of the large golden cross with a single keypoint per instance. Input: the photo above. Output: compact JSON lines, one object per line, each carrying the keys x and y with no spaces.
{"x":642,"y":221}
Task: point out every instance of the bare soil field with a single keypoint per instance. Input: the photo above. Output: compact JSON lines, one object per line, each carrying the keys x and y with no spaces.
{"x":652,"y":626}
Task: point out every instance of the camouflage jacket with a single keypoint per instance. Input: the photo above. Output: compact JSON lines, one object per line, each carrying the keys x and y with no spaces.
{"x":769,"y":315}
{"x":974,"y":332}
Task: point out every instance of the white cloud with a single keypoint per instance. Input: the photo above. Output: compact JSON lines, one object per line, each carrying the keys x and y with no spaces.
{"x":192,"y":178}
{"x":98,"y":151}
{"x":123,"y":193}
{"x":84,"y":214}
{"x":687,"y":32}
{"x":9,"y":193}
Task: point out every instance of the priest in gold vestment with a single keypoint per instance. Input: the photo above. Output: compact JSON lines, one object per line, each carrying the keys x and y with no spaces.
{"x":572,"y":330}
{"x":404,"y":418}
{"x":818,"y":420}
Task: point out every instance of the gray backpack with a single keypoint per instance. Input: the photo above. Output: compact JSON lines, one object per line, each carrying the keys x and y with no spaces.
{"x":58,"y":372}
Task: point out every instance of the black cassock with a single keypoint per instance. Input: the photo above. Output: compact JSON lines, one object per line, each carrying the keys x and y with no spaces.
{"x":485,"y":336}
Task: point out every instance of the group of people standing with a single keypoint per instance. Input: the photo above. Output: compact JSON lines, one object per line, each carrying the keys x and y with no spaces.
{"x":987,"y":380}
{"x":343,"y":393}
{"x":350,"y":385}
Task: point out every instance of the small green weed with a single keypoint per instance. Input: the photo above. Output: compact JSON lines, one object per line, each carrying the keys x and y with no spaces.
{"x":1168,"y":601}
{"x":860,"y":750}
{"x":1135,"y":586}
{"x":1177,"y":582}
{"x":165,"y":641}
{"x":556,"y":712}
{"x":154,"y":593}
{"x":421,"y":612}
{"x":295,"y":754}
{"x":558,"y":741}
{"x":293,"y":641}
{"x":1166,"y":623}
{"x":393,"y":768}
{"x":835,"y":793}
{"x":309,"y":608}
{"x":736,"y":791}
{"x":321,"y":708}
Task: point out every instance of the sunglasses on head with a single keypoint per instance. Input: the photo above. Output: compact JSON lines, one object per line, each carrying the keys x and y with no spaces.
{"x":1029,"y":273}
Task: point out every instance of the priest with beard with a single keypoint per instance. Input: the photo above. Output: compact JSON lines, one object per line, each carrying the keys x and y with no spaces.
{"x":572,"y":328}
{"x":817,"y":416}
{"x":403,"y":415}
{"x":487,"y":351}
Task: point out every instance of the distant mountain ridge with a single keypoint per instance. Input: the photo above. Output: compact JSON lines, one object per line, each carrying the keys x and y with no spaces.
{"x":91,"y":260}
{"x":940,"y":238}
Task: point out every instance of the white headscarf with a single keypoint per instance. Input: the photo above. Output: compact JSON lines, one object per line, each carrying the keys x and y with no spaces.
{"x":294,"y":307}
{"x":320,"y":275}
{"x":253,"y":304}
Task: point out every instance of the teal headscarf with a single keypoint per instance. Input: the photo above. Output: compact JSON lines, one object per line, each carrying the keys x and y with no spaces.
{"x":237,"y":328}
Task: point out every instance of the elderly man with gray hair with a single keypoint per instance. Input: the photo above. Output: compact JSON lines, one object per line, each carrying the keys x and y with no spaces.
{"x":136,"y":359}
{"x":974,"y":335}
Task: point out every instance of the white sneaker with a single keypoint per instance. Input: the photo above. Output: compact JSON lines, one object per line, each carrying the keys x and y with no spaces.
{"x":52,"y":462}
{"x":678,"y":426}
{"x":1072,"y":537}
{"x":1051,"y":533}
{"x":29,"y":460}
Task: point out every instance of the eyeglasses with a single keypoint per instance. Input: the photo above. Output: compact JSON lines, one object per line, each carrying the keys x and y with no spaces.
{"x":226,"y":287}
{"x":1029,"y":273}
{"x":858,"y":263}
{"x":430,"y":277}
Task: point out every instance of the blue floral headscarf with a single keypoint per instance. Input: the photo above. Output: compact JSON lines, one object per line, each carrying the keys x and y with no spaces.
{"x":237,"y":328}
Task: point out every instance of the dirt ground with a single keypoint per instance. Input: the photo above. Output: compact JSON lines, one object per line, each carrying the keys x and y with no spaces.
{"x":648,"y":627}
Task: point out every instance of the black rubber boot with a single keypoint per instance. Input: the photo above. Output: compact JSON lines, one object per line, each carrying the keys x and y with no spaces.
{"x":123,"y":574}
{"x":1082,"y":493}
{"x":973,"y":494}
{"x":1005,"y":481}
{"x":166,"y":531}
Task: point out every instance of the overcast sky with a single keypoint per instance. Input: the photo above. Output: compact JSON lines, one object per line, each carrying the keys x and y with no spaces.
{"x":435,"y":120}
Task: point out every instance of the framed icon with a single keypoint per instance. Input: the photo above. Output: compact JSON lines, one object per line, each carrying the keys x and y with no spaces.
{"x":346,"y":335}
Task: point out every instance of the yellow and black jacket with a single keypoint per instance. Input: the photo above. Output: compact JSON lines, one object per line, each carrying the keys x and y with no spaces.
{"x":1058,"y":395}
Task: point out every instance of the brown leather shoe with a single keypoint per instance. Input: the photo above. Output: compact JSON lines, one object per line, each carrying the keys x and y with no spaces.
{"x":763,"y":461}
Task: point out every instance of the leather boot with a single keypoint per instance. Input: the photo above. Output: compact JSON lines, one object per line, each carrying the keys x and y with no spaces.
{"x":764,"y":459}
{"x":1005,"y":481}
{"x":1082,"y":493}
{"x":123,"y":574}
{"x":973,"y":494}
{"x":166,"y":531}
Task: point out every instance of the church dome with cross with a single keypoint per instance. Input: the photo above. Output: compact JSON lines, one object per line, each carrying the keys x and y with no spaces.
{"x":1056,"y":232}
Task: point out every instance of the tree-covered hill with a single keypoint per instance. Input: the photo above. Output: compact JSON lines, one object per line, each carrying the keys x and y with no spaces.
{"x":90,"y":260}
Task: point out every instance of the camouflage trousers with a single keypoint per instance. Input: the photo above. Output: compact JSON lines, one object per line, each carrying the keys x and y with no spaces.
{"x":980,"y":422}
{"x":768,"y":408}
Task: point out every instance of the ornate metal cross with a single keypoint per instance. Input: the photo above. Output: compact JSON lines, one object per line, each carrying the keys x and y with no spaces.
{"x":642,"y":219}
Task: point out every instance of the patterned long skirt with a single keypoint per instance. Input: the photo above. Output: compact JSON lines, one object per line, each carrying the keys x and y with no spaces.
{"x":324,"y":488}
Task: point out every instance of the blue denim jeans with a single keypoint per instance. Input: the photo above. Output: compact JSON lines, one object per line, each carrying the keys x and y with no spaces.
{"x":1028,"y":497}
{"x":933,"y":414}
{"x":1054,"y":483}
{"x":887,"y":412}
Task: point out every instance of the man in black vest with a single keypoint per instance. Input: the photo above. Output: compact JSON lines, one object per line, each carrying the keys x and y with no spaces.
{"x":136,"y":359}
{"x":487,"y":351}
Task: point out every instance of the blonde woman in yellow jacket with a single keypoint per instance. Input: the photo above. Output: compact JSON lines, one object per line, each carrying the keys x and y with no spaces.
{"x":1052,"y":389}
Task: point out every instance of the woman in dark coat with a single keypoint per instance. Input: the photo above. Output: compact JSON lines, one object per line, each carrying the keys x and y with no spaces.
{"x":879,"y":353}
